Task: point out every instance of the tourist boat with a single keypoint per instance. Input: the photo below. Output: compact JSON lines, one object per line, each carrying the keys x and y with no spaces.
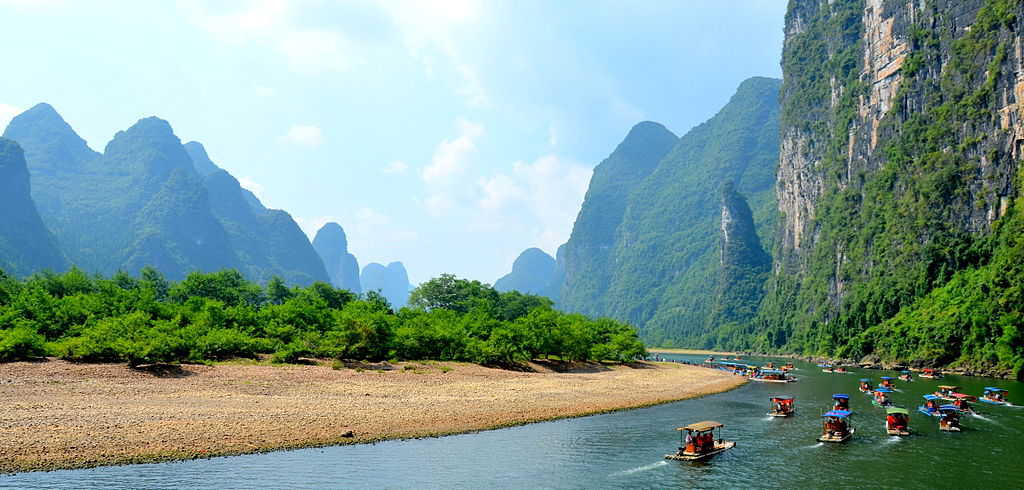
{"x":949,"y":420}
{"x":906,"y":376}
{"x":930,"y":373}
{"x":836,"y":426}
{"x":995,"y":396}
{"x":700,"y":442}
{"x":841,"y":402}
{"x":948,"y":392}
{"x":931,"y":406}
{"x":781,"y":406}
{"x":897,"y":421}
{"x":788,"y":367}
{"x":960,"y":401}
{"x":772,"y":376}
{"x":835,"y":370}
{"x":881,"y":397}
{"x":886,"y":381}
{"x":865,"y":386}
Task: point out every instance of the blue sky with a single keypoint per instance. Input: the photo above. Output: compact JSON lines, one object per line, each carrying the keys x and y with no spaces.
{"x":450,"y":135}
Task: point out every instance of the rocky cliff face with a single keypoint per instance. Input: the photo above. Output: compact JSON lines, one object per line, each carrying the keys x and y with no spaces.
{"x":332,"y":246}
{"x":743,"y":265}
{"x":26,"y":246}
{"x":532,"y":273}
{"x":391,"y":281}
{"x":901,"y":132}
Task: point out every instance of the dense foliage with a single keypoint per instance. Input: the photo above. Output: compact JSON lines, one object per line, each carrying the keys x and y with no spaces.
{"x":221,"y":315}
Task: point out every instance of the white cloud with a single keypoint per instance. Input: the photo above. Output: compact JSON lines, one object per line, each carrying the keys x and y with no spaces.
{"x":546,"y":195}
{"x":451,"y":155}
{"x":396,"y":167}
{"x":372,"y":236}
{"x":252,"y":186}
{"x":271,"y":24}
{"x":264,"y":91}
{"x":305,"y":135}
{"x":7,"y":112}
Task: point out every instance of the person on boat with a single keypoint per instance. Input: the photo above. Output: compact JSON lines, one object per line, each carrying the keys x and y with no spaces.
{"x":690,"y":446}
{"x":962,"y":404}
{"x":890,"y":421}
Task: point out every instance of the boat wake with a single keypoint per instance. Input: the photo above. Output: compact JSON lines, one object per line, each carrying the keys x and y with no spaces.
{"x":641,"y":468}
{"x":769,"y":417}
{"x":893,"y":439}
{"x":813,"y":446}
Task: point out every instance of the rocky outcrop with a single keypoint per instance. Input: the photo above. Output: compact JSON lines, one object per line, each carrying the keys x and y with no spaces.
{"x":532,"y":273}
{"x":391,"y":281}
{"x":743,"y":264}
{"x":901,"y":132}
{"x":26,"y":246}
{"x":332,"y":246}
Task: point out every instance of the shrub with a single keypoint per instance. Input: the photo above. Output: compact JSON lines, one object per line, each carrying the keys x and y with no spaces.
{"x":21,"y":343}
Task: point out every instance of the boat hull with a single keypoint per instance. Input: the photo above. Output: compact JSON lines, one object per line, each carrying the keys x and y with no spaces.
{"x":949,"y":429}
{"x":780,"y":414}
{"x":993,"y":402}
{"x":719,"y":448}
{"x":759,"y":380}
{"x":926,"y":412}
{"x":897,"y":432}
{"x":831,"y":438}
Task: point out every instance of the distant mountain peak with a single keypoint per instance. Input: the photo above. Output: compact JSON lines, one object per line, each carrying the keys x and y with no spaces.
{"x":332,"y":235}
{"x":200,"y":159}
{"x":41,"y":130}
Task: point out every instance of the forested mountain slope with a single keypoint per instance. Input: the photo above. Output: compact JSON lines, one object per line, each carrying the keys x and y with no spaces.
{"x":26,"y":245}
{"x":651,"y":254}
{"x":902,"y":132}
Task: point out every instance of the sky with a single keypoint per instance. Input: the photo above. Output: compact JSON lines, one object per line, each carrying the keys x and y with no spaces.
{"x":448,"y":135}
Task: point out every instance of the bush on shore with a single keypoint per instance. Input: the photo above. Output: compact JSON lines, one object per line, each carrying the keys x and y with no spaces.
{"x":220,"y":315}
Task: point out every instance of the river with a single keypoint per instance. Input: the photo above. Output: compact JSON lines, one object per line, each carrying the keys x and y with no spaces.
{"x":625,"y":450}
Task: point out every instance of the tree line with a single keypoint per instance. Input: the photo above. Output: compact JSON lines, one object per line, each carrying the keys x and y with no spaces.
{"x":221,"y":315}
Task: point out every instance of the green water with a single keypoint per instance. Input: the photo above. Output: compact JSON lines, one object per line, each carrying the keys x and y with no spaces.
{"x":625,"y":450}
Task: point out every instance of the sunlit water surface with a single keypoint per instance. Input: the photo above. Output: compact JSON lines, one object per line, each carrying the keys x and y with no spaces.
{"x":626,"y":449}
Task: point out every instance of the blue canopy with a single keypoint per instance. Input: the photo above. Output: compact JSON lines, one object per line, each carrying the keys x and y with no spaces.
{"x":949,"y":407}
{"x":840,"y":395}
{"x":824,"y":365}
{"x":931,"y":397}
{"x":883,"y":390}
{"x":772,"y":371}
{"x":865,"y":380}
{"x":904,"y":372}
{"x":886,"y":377}
{"x":989,"y":389}
{"x":837,"y":413}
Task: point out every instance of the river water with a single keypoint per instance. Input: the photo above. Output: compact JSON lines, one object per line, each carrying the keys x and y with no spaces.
{"x":626,"y":449}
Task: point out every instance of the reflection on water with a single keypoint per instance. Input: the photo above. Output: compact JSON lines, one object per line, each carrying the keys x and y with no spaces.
{"x":625,"y":450}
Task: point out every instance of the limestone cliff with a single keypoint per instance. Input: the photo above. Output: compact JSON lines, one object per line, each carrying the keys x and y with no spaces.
{"x":901,"y":133}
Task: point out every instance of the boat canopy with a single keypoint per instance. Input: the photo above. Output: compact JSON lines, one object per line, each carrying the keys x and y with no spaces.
{"x":842,"y":414}
{"x":702,"y":426}
{"x":949,"y":407}
{"x":840,"y":395}
{"x":989,"y":389}
{"x":772,"y":371}
{"x":886,"y":377}
{"x":960,"y":395}
{"x":865,"y":380}
{"x":897,"y":410}
{"x":782,"y":397}
{"x":930,"y":397}
{"x":883,"y":390}
{"x":904,"y":372}
{"x":947,"y":387}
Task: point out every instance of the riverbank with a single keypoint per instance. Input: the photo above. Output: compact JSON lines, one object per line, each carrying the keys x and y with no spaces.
{"x":61,"y":415}
{"x":696,"y":352}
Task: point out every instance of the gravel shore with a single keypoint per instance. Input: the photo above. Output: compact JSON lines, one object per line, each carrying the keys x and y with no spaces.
{"x":63,"y":415}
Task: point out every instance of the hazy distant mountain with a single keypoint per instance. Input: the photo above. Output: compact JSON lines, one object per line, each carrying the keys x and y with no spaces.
{"x":392,"y":281}
{"x":644,"y":248}
{"x":144,"y":201}
{"x":532,"y":273}
{"x":267,"y":242}
{"x":342,"y":267}
{"x":26,"y":245}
